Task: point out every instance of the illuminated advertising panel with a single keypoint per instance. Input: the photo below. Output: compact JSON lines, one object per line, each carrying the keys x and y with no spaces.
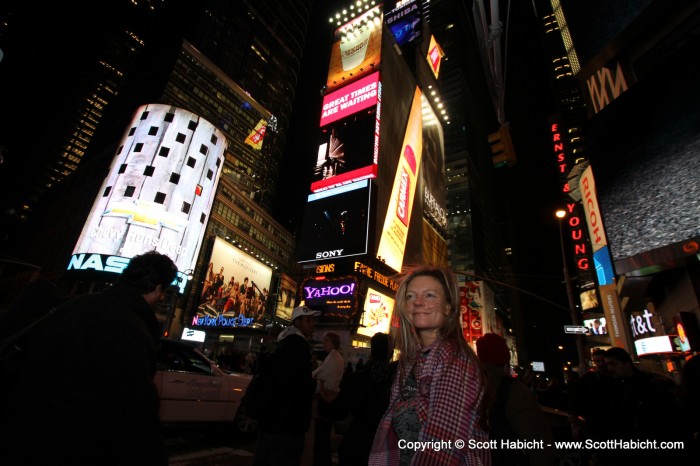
{"x":392,"y":243}
{"x":471,"y":306}
{"x":334,"y":298}
{"x":286,"y":297}
{"x":336,"y":223}
{"x":653,"y":345}
{"x":346,"y":151}
{"x":405,"y":22}
{"x":350,"y":99}
{"x":159,"y":190}
{"x":377,"y":314}
{"x":434,"y":56}
{"x":597,"y":326}
{"x":356,"y":48}
{"x":589,"y":300}
{"x":257,"y":134}
{"x":235,"y":291}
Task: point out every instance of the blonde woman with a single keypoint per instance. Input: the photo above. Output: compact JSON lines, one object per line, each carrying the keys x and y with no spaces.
{"x":438,"y":395}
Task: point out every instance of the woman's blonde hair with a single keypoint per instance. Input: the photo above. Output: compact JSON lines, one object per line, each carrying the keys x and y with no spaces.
{"x":406,"y":337}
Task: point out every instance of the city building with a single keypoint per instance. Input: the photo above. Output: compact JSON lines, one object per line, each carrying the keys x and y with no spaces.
{"x":234,"y":66}
{"x":638,"y":134}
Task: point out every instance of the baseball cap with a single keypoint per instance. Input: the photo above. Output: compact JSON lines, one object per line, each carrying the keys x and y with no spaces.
{"x":304,"y":311}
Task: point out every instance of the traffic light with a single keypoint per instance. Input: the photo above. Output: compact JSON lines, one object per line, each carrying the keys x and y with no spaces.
{"x":502,"y":147}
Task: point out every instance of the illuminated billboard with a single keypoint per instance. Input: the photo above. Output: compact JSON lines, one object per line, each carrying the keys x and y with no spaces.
{"x":405,"y":22}
{"x":335,"y":297}
{"x":350,"y":99}
{"x":158,"y":192}
{"x":434,"y":56}
{"x":286,"y":297}
{"x":377,"y":313}
{"x":589,"y":299}
{"x":336,"y":223}
{"x":356,"y":48}
{"x":347,"y":151}
{"x":597,"y":326}
{"x":392,"y":243}
{"x":236,"y":289}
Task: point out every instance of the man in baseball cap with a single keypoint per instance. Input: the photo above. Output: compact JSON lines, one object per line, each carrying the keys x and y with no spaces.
{"x":283,"y":424}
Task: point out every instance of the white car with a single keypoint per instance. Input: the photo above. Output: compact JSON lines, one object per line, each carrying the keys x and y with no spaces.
{"x":192,"y":388}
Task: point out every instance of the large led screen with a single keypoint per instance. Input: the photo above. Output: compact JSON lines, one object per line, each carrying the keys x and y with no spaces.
{"x":356,"y":48}
{"x":346,"y":151}
{"x":392,"y":243}
{"x":405,"y":22}
{"x":235,"y":291}
{"x":335,"y":297}
{"x":159,"y":190}
{"x":377,"y":313}
{"x":336,"y":223}
{"x":286,"y":297}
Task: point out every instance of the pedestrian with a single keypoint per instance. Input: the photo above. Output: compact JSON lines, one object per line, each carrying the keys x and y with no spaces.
{"x":514,"y":413}
{"x":328,"y":377}
{"x":644,"y":405}
{"x":689,"y":404}
{"x":288,"y":391}
{"x":589,"y":404}
{"x":87,"y":395}
{"x":438,"y":394}
{"x":365,"y":396}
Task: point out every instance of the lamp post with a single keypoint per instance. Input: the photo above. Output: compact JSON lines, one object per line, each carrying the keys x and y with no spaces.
{"x":575,"y":318}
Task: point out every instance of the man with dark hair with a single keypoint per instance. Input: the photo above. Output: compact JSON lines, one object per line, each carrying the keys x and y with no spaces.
{"x":642,"y":402}
{"x":288,"y":392}
{"x":86,"y":394}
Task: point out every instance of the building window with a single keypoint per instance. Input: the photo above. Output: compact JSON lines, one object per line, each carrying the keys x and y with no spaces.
{"x":148,"y":171}
{"x":202,"y":218}
{"x":203,"y":149}
{"x":160,"y":198}
{"x":138,"y":147}
{"x":191,"y":162}
{"x":164,"y":151}
{"x":198,"y":190}
{"x":180,"y":138}
{"x":122,"y":168}
{"x":129,"y":191}
{"x":214,"y":139}
{"x":132,"y":131}
{"x":186,"y":207}
{"x":210,"y":174}
{"x":175,"y":178}
{"x":119,"y":151}
{"x":153,"y":131}
{"x":144,"y":115}
{"x":169,"y":117}
{"x":192,"y":125}
{"x":108,"y":190}
{"x":218,"y":162}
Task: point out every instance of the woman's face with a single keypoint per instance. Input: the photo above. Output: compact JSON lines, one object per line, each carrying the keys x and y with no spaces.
{"x":327,"y":344}
{"x":426,"y":303}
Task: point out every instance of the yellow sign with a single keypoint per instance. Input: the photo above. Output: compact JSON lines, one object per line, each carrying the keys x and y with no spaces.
{"x":392,"y":244}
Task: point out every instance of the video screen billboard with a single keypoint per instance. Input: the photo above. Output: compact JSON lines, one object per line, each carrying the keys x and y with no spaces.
{"x":405,"y":22}
{"x":392,"y":243}
{"x":356,"y":48}
{"x":377,"y":313}
{"x":346,"y":151}
{"x":336,"y":223}
{"x":236,"y":289}
{"x":286,"y":297}
{"x":158,"y":192}
{"x":597,"y":326}
{"x":335,"y":297}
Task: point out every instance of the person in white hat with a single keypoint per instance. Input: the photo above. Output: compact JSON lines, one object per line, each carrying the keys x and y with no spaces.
{"x":283,"y":423}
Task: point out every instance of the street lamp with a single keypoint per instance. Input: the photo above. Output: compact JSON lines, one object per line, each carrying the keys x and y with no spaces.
{"x":575,"y":319}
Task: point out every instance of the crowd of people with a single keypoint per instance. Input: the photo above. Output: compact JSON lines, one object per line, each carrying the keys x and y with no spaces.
{"x":411,"y":411}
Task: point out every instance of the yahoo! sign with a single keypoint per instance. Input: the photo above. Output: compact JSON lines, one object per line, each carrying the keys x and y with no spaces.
{"x":337,"y":296}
